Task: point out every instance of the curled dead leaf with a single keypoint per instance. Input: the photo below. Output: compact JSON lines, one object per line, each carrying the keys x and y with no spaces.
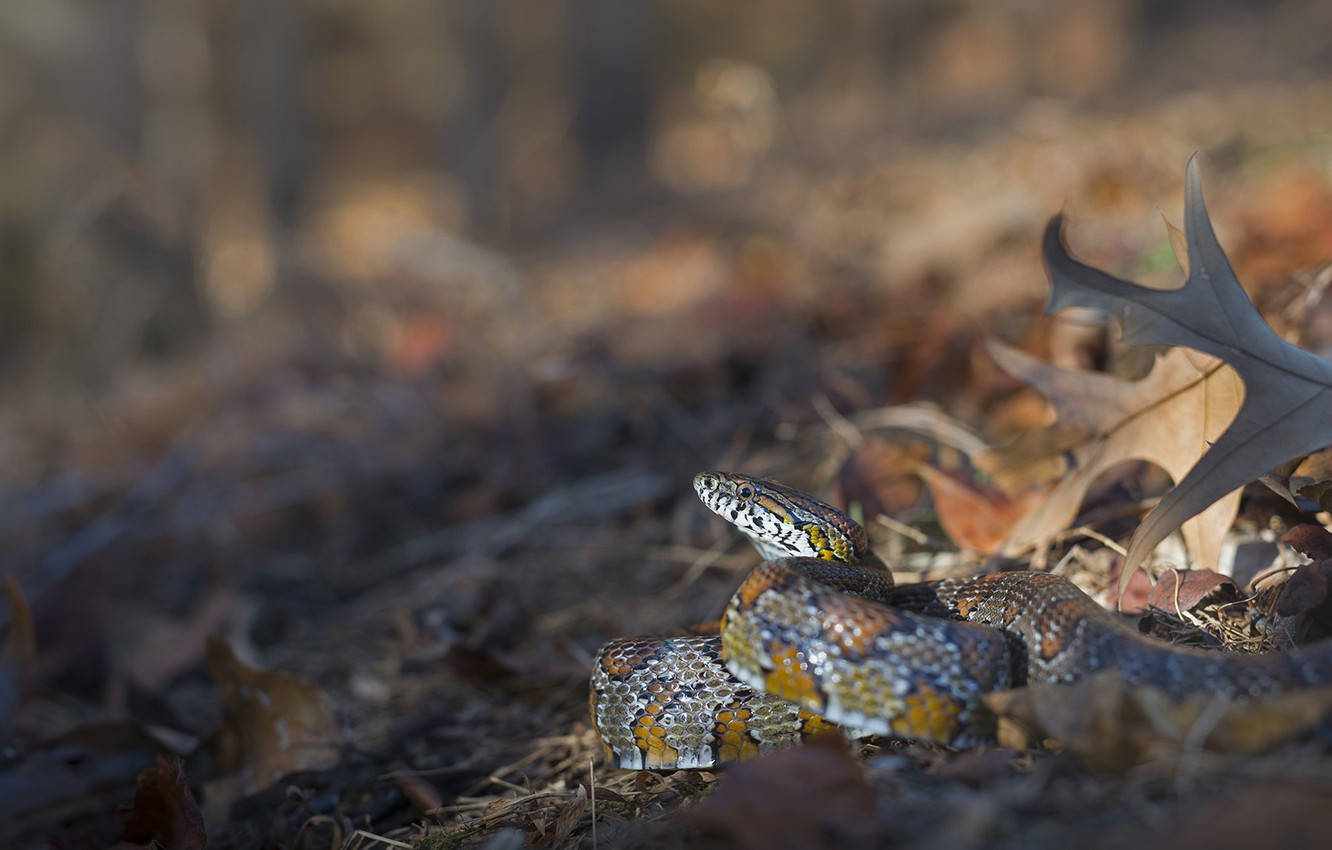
{"x":1311,"y":540}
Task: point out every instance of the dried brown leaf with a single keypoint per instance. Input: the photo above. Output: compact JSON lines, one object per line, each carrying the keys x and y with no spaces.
{"x":1286,"y":389}
{"x":1167,"y":418}
{"x":880,"y":476}
{"x":1312,"y":478}
{"x":975,"y":519}
{"x":1311,"y":540}
{"x":810,"y":796}
{"x":273,"y":723}
{"x":1182,"y":590}
{"x":1272,"y":814}
{"x":164,"y":812}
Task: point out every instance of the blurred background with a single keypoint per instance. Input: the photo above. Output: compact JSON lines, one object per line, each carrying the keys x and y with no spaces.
{"x":395,"y":330}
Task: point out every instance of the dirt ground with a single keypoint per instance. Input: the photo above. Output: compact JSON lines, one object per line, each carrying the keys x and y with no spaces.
{"x":319,"y":552}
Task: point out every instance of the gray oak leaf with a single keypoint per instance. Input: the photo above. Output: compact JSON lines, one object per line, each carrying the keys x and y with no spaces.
{"x":1287,"y":409}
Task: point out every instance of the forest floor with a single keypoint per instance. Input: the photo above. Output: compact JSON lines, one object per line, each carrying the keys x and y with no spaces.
{"x":427,"y":503}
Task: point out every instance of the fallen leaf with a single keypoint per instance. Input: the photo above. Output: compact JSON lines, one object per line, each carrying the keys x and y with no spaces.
{"x":879,"y":476}
{"x":1312,"y":478}
{"x":1114,"y":725}
{"x":569,"y":817}
{"x":1167,"y":418}
{"x":1305,"y":598}
{"x":1181,"y":590}
{"x":273,"y":723}
{"x":1131,"y":598}
{"x":164,"y":812}
{"x":1286,"y":389}
{"x":810,"y":796}
{"x":1304,"y":590}
{"x":45,"y":785}
{"x":1311,"y":540}
{"x":1271,"y":814}
{"x":975,"y":519}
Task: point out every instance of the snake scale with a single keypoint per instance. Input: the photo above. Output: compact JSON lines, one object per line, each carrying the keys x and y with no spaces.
{"x":818,"y":633}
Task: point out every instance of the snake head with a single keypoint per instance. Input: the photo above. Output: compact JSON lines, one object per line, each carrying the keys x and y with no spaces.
{"x":782,"y":521}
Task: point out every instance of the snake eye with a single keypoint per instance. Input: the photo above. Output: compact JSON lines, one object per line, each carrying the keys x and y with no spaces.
{"x":746,"y":492}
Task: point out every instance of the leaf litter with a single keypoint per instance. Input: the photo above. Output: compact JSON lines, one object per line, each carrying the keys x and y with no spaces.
{"x":500,"y":752}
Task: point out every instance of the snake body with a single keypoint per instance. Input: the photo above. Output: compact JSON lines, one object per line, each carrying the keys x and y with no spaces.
{"x":818,"y":633}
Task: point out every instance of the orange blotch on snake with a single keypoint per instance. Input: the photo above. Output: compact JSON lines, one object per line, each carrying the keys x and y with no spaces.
{"x":758,"y":581}
{"x":791,"y":681}
{"x":660,"y":755}
{"x":1055,"y":640}
{"x":929,"y":714}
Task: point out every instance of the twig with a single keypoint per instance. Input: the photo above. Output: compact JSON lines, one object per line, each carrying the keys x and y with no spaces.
{"x":361,"y":833}
{"x":837,"y":423}
{"x":592,"y":794}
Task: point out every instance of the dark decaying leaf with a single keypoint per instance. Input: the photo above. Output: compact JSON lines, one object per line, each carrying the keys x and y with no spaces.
{"x":16,"y":656}
{"x":1113,"y":725}
{"x":808,"y":797}
{"x":1311,"y":540}
{"x":1305,"y":598}
{"x":1182,"y":590}
{"x":1288,"y":390}
{"x":164,"y":811}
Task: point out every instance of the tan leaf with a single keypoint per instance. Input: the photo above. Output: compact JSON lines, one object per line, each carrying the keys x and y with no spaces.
{"x":1167,"y":418}
{"x":1179,"y":243}
{"x":273,"y":723}
{"x":1312,"y":478}
{"x":1287,"y":389}
{"x":975,"y":519}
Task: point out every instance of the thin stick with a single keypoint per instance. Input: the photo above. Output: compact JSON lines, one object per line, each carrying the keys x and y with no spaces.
{"x":389,"y":841}
{"x":837,"y":423}
{"x":592,"y":793}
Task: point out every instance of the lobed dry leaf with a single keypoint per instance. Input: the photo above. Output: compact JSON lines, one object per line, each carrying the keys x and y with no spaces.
{"x":1168,"y":418}
{"x":1287,"y":390}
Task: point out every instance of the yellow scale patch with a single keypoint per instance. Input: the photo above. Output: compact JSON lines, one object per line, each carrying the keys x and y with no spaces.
{"x":649,"y":736}
{"x":928,"y":713}
{"x":791,"y":681}
{"x":732,"y":730}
